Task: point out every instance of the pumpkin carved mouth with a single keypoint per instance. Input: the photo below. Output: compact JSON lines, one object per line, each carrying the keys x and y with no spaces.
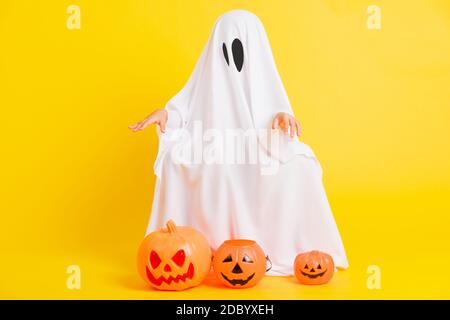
{"x":313,"y":276}
{"x":183,"y":277}
{"x":235,"y":282}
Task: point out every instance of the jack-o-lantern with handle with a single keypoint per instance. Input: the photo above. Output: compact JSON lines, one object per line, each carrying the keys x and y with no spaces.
{"x":314,"y":267}
{"x":239,"y":263}
{"x":174,"y":258}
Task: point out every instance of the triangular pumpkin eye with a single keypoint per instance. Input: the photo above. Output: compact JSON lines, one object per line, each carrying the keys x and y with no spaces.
{"x":247,"y":259}
{"x":319,"y":267}
{"x":306,"y":266}
{"x":155,"y":260}
{"x":179,"y":257}
{"x":228,"y":259}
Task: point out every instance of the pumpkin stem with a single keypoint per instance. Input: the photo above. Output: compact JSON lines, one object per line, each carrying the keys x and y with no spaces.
{"x":171,"y":226}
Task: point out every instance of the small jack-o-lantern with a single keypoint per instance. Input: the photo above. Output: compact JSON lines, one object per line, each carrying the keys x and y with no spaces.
{"x":174,"y":258}
{"x":314,"y":267}
{"x":239,"y":263}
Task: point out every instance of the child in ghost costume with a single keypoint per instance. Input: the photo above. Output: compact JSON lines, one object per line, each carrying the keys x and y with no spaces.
{"x":279,"y":202}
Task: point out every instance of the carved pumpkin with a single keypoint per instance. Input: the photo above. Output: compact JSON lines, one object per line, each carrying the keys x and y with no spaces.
{"x":239,"y":263}
{"x":174,"y":258}
{"x":314,"y":267}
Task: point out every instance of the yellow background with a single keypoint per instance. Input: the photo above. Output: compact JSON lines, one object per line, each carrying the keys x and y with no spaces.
{"x":77,"y":185}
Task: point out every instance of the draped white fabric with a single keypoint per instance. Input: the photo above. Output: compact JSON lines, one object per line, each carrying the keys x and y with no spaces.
{"x":286,"y":210}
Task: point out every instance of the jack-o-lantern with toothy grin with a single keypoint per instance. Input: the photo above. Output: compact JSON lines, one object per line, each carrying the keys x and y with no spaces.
{"x":174,"y":258}
{"x":314,"y":267}
{"x":239,"y":263}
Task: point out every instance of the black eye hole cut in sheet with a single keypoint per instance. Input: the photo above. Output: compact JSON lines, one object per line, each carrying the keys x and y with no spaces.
{"x":238,"y":54}
{"x":225,"y":53}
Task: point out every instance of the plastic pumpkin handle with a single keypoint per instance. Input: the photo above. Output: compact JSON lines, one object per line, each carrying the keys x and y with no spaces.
{"x":171,"y":226}
{"x":268,"y":260}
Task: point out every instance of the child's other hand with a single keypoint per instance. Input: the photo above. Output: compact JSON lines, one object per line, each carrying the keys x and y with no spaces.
{"x":287,"y":124}
{"x":158,"y":116}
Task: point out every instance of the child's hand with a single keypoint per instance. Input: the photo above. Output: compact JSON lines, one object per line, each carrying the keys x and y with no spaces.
{"x":158,"y":116}
{"x":287,"y":123}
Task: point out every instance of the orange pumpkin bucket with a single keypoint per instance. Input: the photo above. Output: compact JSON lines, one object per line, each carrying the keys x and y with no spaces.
{"x":239,"y":263}
{"x":314,"y":267}
{"x":174,"y":258}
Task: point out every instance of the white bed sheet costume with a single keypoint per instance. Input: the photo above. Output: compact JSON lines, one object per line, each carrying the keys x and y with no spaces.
{"x":235,"y":87}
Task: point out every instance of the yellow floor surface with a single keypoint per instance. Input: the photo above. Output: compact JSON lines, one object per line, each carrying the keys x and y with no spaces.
{"x":42,"y":277}
{"x":400,"y":236}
